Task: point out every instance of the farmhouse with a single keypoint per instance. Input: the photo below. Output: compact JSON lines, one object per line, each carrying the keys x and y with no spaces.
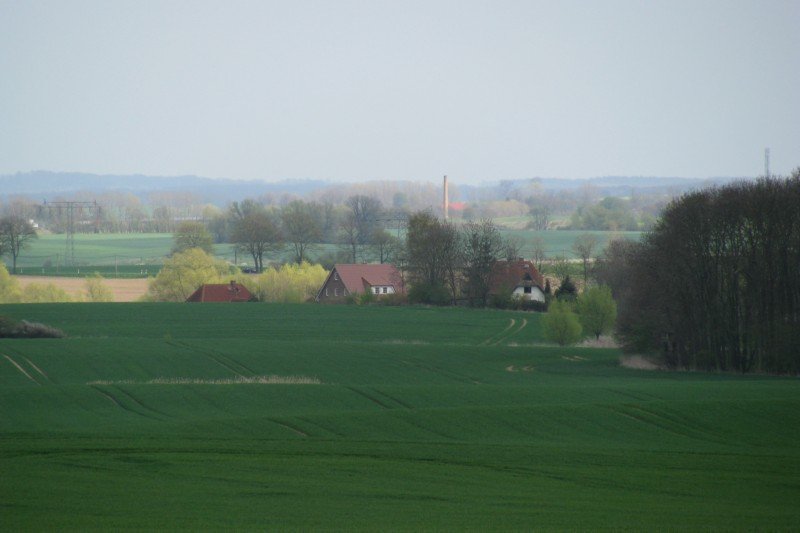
{"x":345,"y":280}
{"x":231,"y":292}
{"x":518,"y":278}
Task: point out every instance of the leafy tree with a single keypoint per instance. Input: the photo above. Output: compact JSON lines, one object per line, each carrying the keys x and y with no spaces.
{"x":301,"y":227}
{"x":291,"y":283}
{"x":561,"y":324}
{"x":15,"y":235}
{"x":597,"y":310}
{"x":192,"y":234}
{"x":96,"y":290}
{"x":184,"y":273}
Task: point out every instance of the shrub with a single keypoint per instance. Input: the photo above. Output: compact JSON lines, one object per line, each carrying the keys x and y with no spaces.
{"x":36,"y":293}
{"x":9,"y":287}
{"x":597,"y":310}
{"x":428,"y":293}
{"x":561,"y":324}
{"x":96,"y":290}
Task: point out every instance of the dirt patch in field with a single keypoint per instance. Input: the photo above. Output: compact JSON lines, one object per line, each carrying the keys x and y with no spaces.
{"x":605,"y":341}
{"x":124,"y":290}
{"x":637,"y":362}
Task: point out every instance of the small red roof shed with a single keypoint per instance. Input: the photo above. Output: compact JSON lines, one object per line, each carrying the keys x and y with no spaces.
{"x":231,"y":292}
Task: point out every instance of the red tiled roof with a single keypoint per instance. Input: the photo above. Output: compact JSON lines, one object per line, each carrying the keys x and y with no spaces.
{"x":224,"y":292}
{"x":357,"y":277}
{"x":511,"y":274}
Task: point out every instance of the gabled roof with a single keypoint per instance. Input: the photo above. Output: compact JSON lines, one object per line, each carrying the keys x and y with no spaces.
{"x":512,"y":274}
{"x":357,"y":278}
{"x":223,"y":292}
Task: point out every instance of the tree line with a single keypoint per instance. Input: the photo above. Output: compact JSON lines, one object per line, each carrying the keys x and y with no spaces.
{"x":715,"y":284}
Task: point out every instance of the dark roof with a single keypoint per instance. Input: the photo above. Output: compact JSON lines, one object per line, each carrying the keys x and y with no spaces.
{"x":357,"y":278}
{"x":512,"y":274}
{"x":223,"y":292}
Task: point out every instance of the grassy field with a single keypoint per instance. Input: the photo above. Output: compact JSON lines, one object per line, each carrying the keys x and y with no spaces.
{"x":151,"y":416}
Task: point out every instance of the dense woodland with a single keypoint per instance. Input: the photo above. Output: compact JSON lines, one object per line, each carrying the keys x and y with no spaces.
{"x":716,"y":284}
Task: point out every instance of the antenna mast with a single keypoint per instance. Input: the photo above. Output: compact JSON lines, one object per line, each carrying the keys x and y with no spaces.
{"x":766,"y":162}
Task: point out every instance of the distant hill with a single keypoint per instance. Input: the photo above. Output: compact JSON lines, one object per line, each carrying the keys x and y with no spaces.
{"x":42,"y":185}
{"x":217,"y":191}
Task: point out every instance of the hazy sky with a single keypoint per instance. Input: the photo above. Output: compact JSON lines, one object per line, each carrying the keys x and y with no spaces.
{"x":354,"y":90}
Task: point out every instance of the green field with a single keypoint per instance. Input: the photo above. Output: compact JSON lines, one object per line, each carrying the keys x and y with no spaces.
{"x":414,"y":419}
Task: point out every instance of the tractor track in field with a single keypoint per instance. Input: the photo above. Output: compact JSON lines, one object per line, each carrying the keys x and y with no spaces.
{"x":368,"y":397}
{"x":37,"y":369}
{"x":493,"y":337}
{"x":22,"y":370}
{"x":140,"y":404}
{"x":122,"y":406}
{"x":289,"y":427}
{"x":221,"y":359}
{"x":521,"y":327}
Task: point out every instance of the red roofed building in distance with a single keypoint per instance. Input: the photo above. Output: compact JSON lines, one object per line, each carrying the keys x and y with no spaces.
{"x":518,"y":278}
{"x":222,"y":292}
{"x":344,"y":280}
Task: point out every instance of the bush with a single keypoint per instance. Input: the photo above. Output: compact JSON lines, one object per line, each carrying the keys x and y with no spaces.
{"x":9,"y":287}
{"x":428,"y":293}
{"x":36,"y":293}
{"x":561,"y":325}
{"x":96,"y":290}
{"x":597,"y":310}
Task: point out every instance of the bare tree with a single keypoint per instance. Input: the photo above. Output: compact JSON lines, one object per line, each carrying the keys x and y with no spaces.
{"x":256,"y":234}
{"x":538,"y":253}
{"x":483,"y":246}
{"x":15,"y":235}
{"x":512,"y":248}
{"x":432,"y":254}
{"x":301,"y":228}
{"x":584,"y":246}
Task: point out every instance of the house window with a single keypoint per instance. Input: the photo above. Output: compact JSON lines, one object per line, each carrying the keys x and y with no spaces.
{"x":336,"y":276}
{"x":376,"y":290}
{"x":384,"y":290}
{"x":326,"y":291}
{"x":527,"y":290}
{"x":336,"y":291}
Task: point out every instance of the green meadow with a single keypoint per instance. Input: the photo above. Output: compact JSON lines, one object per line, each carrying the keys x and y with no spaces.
{"x":298,"y":417}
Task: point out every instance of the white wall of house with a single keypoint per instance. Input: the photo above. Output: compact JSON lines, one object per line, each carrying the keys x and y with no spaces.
{"x":536,"y":294}
{"x":382,"y":289}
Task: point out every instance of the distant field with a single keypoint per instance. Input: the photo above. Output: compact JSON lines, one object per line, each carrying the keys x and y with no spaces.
{"x":559,"y":242}
{"x":135,"y":255}
{"x":153,"y":416}
{"x":123,"y":290}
